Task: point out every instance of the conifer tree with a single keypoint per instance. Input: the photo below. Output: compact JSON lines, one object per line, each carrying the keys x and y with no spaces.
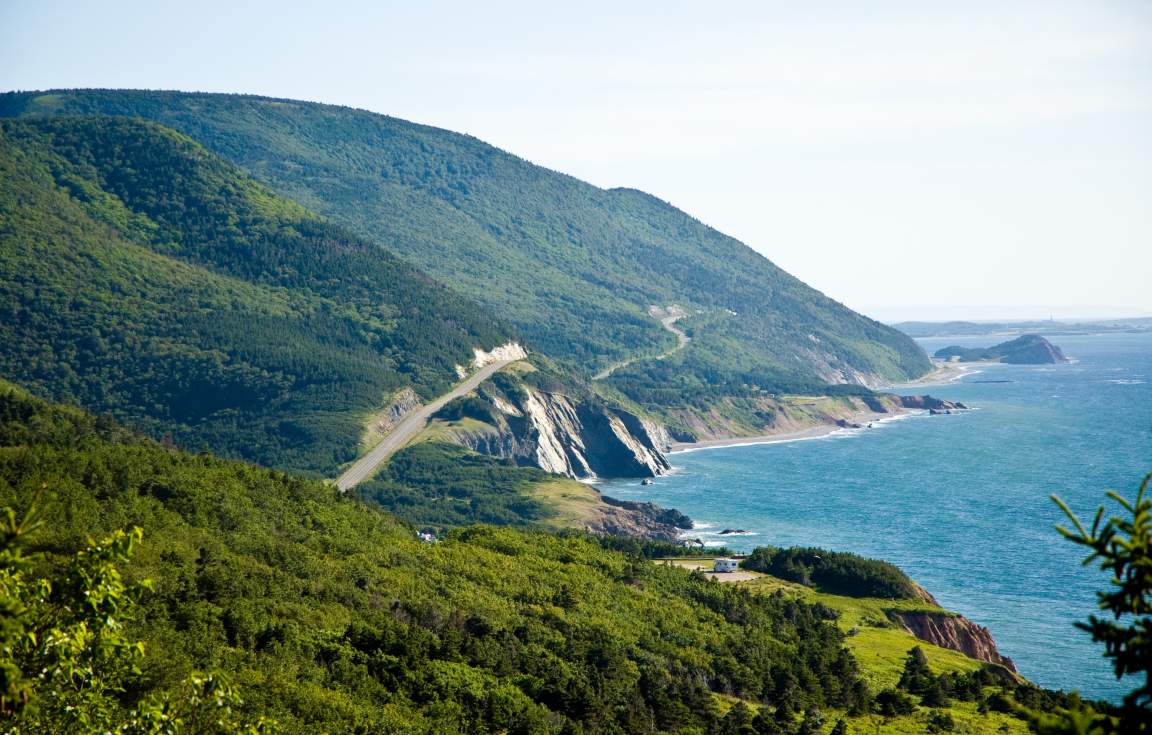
{"x":1123,"y":546}
{"x":917,"y":676}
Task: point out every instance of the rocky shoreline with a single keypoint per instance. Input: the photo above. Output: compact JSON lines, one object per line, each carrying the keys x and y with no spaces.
{"x":905,"y":405}
{"x":632,"y":518}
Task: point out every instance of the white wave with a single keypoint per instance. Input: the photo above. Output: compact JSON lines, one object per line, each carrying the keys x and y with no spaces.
{"x":839,"y":433}
{"x":752,"y":443}
{"x":895,"y":417}
{"x":845,"y":433}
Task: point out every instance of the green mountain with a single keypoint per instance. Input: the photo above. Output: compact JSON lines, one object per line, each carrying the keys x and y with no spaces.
{"x":1027,"y":349}
{"x":576,"y":269}
{"x":328,"y":615}
{"x":144,"y":276}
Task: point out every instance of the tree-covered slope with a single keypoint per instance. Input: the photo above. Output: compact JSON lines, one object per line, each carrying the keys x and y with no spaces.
{"x":330,"y":616}
{"x":575,"y":267}
{"x":1027,"y":349}
{"x":144,"y":276}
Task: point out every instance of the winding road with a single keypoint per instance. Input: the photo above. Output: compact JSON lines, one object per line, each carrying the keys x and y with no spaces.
{"x":410,"y":426}
{"x":669,"y":323}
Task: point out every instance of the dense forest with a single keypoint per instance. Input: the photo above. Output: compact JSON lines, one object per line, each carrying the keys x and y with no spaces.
{"x":226,"y":278}
{"x":327,"y":614}
{"x":574,"y":267}
{"x":143,"y":276}
{"x":273,"y":599}
{"x":436,"y":486}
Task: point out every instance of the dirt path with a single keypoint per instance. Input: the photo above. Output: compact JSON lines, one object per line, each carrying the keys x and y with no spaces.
{"x":410,"y":426}
{"x":669,"y":323}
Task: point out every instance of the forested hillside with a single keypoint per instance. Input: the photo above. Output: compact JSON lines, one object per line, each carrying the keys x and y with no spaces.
{"x":329,"y":615}
{"x":323,"y":614}
{"x":574,"y":267}
{"x":144,"y":276}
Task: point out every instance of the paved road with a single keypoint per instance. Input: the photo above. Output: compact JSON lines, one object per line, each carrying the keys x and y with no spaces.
{"x":410,"y":426}
{"x":669,"y":323}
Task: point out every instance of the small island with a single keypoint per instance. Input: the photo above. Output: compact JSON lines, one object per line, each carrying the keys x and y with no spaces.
{"x":1028,"y":349}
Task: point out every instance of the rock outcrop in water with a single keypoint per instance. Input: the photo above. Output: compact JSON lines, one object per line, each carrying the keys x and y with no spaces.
{"x":952,"y":631}
{"x":931,"y":403}
{"x":1028,"y":349}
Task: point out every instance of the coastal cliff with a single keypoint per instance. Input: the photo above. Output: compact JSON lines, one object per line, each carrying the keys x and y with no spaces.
{"x":734,"y":418}
{"x":580,"y":437}
{"x":952,"y":631}
{"x":584,"y":437}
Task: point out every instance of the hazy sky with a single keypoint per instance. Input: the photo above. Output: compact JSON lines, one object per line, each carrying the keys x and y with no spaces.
{"x":954,"y":159}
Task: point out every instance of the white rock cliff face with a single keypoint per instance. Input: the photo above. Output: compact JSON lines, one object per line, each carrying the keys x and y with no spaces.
{"x":509,"y":351}
{"x":556,"y":434}
{"x":579,"y":439}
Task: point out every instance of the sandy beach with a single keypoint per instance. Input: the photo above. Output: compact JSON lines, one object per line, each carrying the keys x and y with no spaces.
{"x":942,"y":374}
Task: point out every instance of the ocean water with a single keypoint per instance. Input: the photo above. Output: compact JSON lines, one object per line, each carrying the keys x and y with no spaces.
{"x":960,"y":501}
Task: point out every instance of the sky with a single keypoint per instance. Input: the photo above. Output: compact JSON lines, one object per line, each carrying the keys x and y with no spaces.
{"x":921,"y":159}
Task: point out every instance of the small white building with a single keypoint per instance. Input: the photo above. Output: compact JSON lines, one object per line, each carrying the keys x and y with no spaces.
{"x":726,"y":565}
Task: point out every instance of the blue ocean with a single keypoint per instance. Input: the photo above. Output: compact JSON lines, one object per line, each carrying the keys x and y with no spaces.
{"x":960,"y":501}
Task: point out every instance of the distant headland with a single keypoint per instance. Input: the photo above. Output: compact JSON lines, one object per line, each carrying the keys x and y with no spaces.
{"x":1028,"y":349}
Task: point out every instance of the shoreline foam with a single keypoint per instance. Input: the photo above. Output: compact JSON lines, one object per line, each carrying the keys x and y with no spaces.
{"x":813,"y":432}
{"x":945,"y":373}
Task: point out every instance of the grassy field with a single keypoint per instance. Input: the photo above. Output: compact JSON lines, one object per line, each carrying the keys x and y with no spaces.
{"x":880,"y":647}
{"x":439,"y":430}
{"x":968,"y":722}
{"x":572,"y":502}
